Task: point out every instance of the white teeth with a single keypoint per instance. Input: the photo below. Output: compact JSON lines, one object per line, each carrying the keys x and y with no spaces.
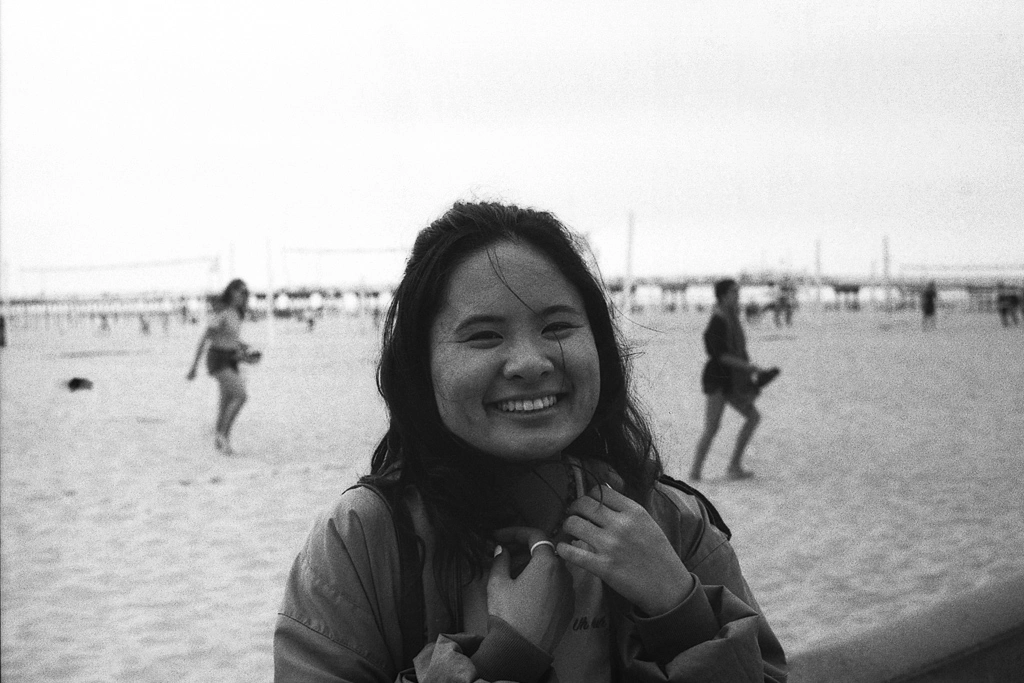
{"x":527,"y":406}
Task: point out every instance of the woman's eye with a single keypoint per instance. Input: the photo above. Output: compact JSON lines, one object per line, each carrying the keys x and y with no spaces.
{"x":484,"y":336}
{"x":559,"y":328}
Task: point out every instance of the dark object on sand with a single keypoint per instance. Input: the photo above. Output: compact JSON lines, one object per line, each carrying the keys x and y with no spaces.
{"x":76,"y":383}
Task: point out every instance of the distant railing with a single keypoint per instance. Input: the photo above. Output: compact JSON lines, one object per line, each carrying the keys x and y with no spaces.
{"x":978,"y":636}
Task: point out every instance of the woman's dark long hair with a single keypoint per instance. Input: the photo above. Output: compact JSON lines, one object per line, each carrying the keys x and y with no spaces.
{"x":223,"y":300}
{"x":460,"y":485}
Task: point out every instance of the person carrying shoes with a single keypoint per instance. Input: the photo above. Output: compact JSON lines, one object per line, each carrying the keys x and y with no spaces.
{"x":224,"y":351}
{"x":729,"y":377}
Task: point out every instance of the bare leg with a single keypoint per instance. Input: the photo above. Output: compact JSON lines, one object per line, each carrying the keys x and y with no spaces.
{"x":233,"y":410}
{"x":753,"y":418}
{"x":237,"y":400}
{"x":224,"y":400}
{"x":713,"y":409}
{"x":232,"y":398}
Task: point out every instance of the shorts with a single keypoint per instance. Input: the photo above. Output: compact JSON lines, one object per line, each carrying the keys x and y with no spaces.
{"x":219,"y":359}
{"x":737,"y":386}
{"x":716,"y":377}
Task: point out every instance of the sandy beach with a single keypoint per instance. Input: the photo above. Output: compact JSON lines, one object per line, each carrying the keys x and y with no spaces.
{"x":889,"y":469}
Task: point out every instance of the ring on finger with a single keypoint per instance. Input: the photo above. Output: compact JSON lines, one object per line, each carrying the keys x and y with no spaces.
{"x":540,"y":543}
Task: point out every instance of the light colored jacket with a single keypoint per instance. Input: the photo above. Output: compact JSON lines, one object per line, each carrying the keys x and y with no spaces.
{"x":339,"y":620}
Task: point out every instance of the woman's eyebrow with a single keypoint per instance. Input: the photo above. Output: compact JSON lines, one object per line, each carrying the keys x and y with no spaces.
{"x":560,"y":308}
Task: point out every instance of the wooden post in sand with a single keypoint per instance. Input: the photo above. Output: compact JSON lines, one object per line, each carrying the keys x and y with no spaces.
{"x":270,"y":297}
{"x":885,"y":272}
{"x":817,"y":274}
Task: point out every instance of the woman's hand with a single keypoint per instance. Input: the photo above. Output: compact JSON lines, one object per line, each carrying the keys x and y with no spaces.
{"x":539,"y":602}
{"x":620,"y":543}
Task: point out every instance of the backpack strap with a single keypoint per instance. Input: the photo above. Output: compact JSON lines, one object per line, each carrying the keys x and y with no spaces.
{"x":716,"y":517}
{"x":411,"y":606}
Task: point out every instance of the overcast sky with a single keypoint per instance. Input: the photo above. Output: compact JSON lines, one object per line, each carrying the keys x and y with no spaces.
{"x":738,"y":133}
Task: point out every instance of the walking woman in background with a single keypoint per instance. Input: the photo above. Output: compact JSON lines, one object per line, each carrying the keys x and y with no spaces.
{"x":515,"y":524}
{"x":729,"y":377}
{"x":224,"y":351}
{"x":929,"y":296}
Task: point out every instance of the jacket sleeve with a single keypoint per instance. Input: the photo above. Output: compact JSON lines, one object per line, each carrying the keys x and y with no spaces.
{"x":339,"y":620}
{"x":718,"y":632}
{"x":341,"y":597}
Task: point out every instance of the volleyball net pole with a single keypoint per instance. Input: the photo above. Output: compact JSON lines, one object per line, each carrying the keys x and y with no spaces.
{"x":886,"y":275}
{"x":270,"y":296}
{"x":817,"y":274}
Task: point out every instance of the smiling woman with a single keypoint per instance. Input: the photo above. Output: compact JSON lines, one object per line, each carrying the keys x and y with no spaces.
{"x":516,"y":524}
{"x":513,"y":360}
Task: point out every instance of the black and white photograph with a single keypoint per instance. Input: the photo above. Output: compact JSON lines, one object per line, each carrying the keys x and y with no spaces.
{"x":511,"y":341}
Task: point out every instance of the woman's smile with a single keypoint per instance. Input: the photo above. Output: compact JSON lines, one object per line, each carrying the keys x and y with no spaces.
{"x":531,"y":406}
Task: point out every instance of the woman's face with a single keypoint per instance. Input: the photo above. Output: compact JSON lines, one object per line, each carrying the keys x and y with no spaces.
{"x":513,"y":360}
{"x":731,"y":300}
{"x":239,"y":295}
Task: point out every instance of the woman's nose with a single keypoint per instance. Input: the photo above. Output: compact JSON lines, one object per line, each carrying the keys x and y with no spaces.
{"x":528,"y":360}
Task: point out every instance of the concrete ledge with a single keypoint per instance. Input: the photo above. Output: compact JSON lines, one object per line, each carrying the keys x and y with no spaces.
{"x":978,"y":636}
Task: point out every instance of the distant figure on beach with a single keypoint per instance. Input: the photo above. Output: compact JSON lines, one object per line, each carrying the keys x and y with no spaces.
{"x":1007,"y":302}
{"x":728,"y":377}
{"x":785,"y":300}
{"x":928,"y":298}
{"x":515,"y":524}
{"x":752,"y":312}
{"x":226,"y":350}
